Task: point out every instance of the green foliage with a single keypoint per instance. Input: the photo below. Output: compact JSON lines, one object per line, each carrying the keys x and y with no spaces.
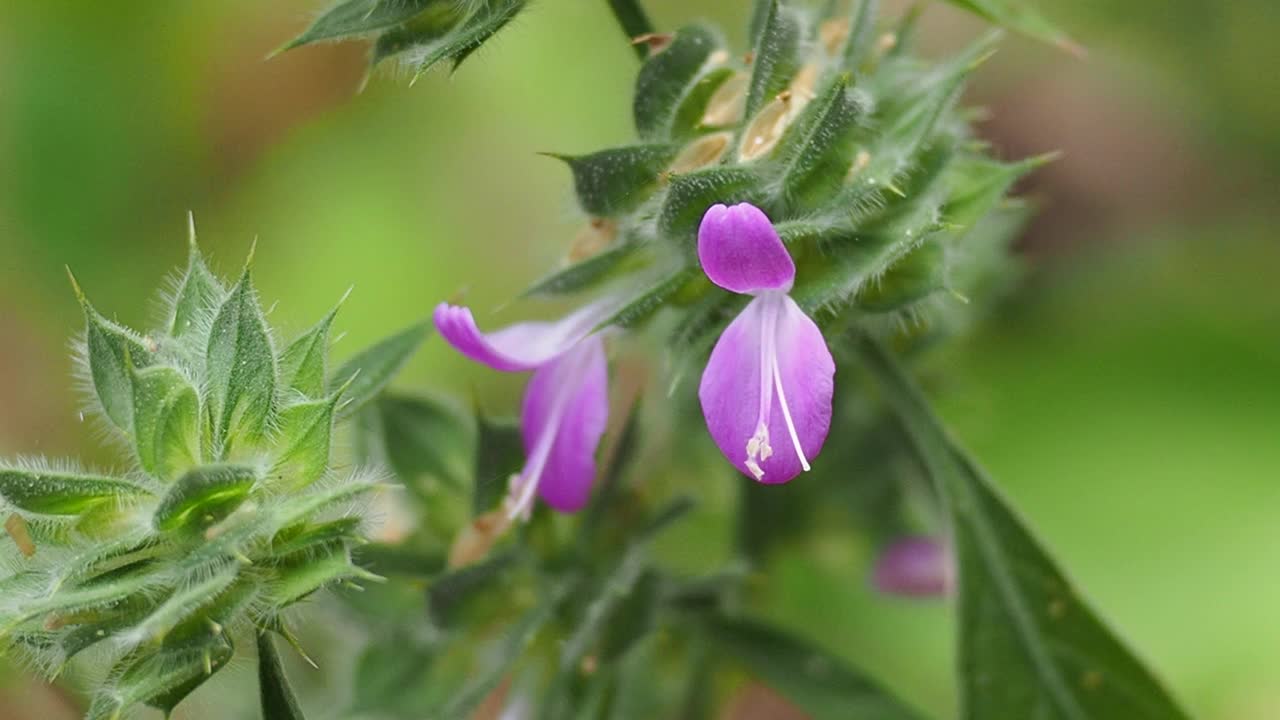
{"x":423,"y":33}
{"x":232,"y":509}
{"x":1020,"y":619}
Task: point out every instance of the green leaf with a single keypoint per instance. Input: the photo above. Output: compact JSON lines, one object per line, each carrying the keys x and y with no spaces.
{"x":372,"y":368}
{"x":240,"y":372}
{"x":649,"y":301}
{"x":1019,"y":16}
{"x":278,"y":700}
{"x":424,"y":437}
{"x":449,"y":593}
{"x":854,"y":258}
{"x":430,"y":26}
{"x":819,"y":148}
{"x":1020,"y":619}
{"x":390,"y":673}
{"x":667,"y":77}
{"x":980,"y":183}
{"x":359,"y":17}
{"x":915,"y":276}
{"x":56,"y":492}
{"x":499,"y":455}
{"x":162,"y":678}
{"x":198,"y":296}
{"x":861,"y":32}
{"x":820,"y":683}
{"x":112,"y":351}
{"x":690,"y":194}
{"x":309,"y":574}
{"x":776,"y":56}
{"x":166,"y":422}
{"x":591,"y":272}
{"x":612,"y":182}
{"x":489,"y":17}
{"x":304,"y":439}
{"x":204,"y":495}
{"x":910,"y":115}
{"x":303,"y":365}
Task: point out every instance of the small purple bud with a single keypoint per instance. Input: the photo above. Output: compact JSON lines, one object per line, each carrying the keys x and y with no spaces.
{"x":915,"y":567}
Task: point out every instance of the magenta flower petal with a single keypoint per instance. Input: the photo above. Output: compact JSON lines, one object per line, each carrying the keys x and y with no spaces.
{"x":915,"y":567}
{"x":566,"y":408}
{"x":740,"y":251}
{"x":766,"y":391}
{"x":523,"y":346}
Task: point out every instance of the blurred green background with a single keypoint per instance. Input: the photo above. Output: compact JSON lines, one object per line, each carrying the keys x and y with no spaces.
{"x":1127,"y":398}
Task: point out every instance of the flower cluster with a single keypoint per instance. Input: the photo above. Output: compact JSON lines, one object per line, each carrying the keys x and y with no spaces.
{"x":768,"y":382}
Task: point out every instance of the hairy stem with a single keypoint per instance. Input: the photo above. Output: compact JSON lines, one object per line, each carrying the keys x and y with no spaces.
{"x":633,"y":21}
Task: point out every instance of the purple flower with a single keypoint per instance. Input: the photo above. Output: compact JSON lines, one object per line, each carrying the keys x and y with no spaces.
{"x":766,"y":391}
{"x":915,"y":567}
{"x":565,"y":406}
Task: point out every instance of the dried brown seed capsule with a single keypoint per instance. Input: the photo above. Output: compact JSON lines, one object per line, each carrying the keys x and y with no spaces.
{"x":728,"y":102}
{"x":703,"y":152}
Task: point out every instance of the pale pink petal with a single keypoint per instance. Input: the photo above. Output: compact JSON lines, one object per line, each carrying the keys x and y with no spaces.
{"x":740,"y":251}
{"x":732,"y":385}
{"x":915,"y":567}
{"x":523,"y":346}
{"x":566,"y":408}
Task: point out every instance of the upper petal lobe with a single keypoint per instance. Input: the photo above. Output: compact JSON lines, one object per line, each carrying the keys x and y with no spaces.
{"x":740,"y":251}
{"x":523,"y":346}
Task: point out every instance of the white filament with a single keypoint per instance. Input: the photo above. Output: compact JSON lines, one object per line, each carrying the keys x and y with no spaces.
{"x":773,"y":304}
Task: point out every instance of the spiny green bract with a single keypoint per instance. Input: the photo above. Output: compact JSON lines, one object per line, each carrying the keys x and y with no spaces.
{"x":855,"y":149}
{"x":231,"y":510}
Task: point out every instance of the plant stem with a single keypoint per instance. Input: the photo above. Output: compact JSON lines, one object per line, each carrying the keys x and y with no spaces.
{"x":633,"y":21}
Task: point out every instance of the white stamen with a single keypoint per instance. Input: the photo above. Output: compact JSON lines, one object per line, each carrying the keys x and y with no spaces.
{"x":786,"y":415}
{"x":758,"y":448}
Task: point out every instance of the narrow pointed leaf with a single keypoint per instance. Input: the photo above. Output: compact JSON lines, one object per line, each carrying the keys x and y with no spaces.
{"x":591,"y":272}
{"x":456,"y":46}
{"x":240,"y":371}
{"x":304,"y":439}
{"x":818,"y":150}
{"x":1020,"y":16}
{"x":649,"y":301}
{"x":204,"y":495}
{"x":1020,"y":620}
{"x":912,"y":278}
{"x":432,"y":25}
{"x":278,"y":699}
{"x":612,"y":182}
{"x":372,"y":368}
{"x":359,"y":17}
{"x":820,"y":683}
{"x":776,"y":56}
{"x":166,"y":422}
{"x":425,"y":438}
{"x":113,"y":351}
{"x":296,"y":582}
{"x":861,"y":32}
{"x":304,"y":363}
{"x":162,"y":679}
{"x":198,"y":297}
{"x":51,"y":492}
{"x":667,"y":77}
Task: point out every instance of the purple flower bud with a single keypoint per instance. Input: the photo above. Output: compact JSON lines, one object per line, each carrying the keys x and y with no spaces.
{"x":915,"y":567}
